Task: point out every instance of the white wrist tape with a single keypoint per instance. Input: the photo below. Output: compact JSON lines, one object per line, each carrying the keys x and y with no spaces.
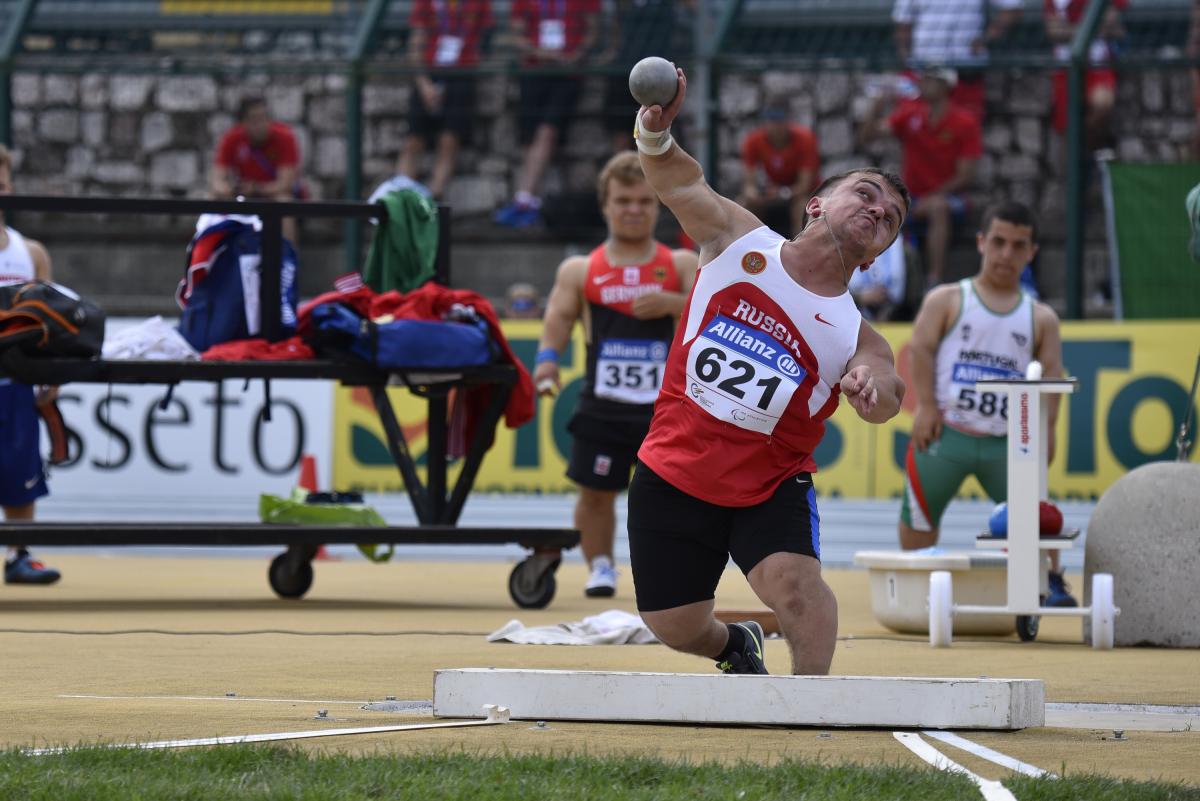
{"x":652,"y":143}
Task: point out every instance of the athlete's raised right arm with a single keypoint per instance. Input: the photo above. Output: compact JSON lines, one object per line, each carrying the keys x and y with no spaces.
{"x":562,"y":310}
{"x":933,"y":320}
{"x":712,"y":221}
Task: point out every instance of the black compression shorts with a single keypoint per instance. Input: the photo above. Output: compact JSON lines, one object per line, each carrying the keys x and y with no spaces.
{"x":679,"y":545}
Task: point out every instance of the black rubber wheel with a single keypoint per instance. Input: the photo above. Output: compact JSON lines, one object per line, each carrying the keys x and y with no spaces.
{"x":531,"y":583}
{"x":290,"y":577}
{"x":1027,"y":627}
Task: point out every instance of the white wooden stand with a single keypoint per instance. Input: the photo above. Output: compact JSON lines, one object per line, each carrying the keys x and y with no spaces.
{"x":1027,"y":563}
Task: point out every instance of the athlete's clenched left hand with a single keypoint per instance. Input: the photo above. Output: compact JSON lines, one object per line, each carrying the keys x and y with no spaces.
{"x":858,"y":386}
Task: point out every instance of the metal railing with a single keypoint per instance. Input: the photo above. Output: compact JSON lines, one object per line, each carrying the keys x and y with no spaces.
{"x":361,"y":39}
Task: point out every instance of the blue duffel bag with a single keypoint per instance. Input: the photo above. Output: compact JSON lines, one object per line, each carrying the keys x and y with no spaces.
{"x":404,"y":343}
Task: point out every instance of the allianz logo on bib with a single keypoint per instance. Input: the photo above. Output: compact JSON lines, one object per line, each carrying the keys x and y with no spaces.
{"x":965,"y":373}
{"x":754,"y":344}
{"x":633,"y":349}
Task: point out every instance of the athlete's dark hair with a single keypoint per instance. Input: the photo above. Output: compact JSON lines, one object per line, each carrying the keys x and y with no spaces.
{"x":247,"y":103}
{"x":893,"y":180}
{"x":1010,"y":211}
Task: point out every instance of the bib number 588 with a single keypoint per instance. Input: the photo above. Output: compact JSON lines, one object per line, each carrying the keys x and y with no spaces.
{"x":987,"y":404}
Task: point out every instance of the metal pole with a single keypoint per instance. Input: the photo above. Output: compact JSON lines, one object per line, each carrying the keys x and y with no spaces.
{"x":360,"y":48}
{"x":354,"y":137}
{"x":270,"y":293}
{"x":6,"y":106}
{"x":707,"y":43}
{"x":1076,"y":153}
{"x":10,"y":41}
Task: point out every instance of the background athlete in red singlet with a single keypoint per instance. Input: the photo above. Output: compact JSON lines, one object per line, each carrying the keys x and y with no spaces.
{"x":628,"y":293}
{"x":768,"y":339}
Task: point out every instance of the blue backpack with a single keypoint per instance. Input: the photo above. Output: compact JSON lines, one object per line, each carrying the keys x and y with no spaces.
{"x":219,"y":293}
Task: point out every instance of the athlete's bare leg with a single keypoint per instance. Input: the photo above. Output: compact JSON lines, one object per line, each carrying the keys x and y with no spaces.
{"x":792,"y":586}
{"x":690,"y":628}
{"x":596,"y":519}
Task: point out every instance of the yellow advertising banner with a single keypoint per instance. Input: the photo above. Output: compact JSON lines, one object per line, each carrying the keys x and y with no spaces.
{"x":1134,"y":380}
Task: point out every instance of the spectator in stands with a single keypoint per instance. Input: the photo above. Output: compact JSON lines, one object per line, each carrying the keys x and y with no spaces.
{"x":941,"y":144}
{"x":881,"y":290}
{"x":258,"y":158}
{"x":954,"y":32}
{"x":637,"y":28}
{"x":1100,"y":90}
{"x":522,"y":302}
{"x":444,"y":42}
{"x":22,"y":474}
{"x":549,"y":34}
{"x":781,"y":168}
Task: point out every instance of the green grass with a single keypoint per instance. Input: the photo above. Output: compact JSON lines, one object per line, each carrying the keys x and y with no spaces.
{"x":236,"y":773}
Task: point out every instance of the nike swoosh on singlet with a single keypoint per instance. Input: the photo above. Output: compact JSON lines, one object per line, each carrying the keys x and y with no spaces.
{"x":821,"y":319}
{"x":600,"y":279}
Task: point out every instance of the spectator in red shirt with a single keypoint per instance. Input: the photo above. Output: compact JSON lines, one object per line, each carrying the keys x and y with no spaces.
{"x":443,"y":45}
{"x":1061,"y":17}
{"x":548,"y":34}
{"x":780,"y":170}
{"x":258,"y":158}
{"x":941,"y":145}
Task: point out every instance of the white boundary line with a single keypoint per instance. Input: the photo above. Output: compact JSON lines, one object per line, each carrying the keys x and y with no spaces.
{"x":207,"y":698}
{"x":992,"y":790}
{"x":495,"y":715}
{"x":982,"y":751}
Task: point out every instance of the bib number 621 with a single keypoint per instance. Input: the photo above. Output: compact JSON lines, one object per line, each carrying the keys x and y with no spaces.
{"x":712,"y":366}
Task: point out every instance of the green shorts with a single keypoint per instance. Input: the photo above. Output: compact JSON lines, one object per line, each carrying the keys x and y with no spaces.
{"x":932,"y":478}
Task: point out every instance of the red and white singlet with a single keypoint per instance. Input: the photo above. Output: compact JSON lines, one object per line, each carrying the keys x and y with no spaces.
{"x":752,"y":374}
{"x":626,"y":356}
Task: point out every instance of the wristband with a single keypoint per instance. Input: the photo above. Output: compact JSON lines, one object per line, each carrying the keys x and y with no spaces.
{"x":546,"y":355}
{"x":652,"y":143}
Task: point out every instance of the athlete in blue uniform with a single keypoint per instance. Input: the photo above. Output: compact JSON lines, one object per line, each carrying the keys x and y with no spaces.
{"x":22,"y":477}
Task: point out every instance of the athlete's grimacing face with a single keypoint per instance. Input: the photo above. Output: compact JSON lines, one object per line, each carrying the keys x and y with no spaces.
{"x":631,"y":210}
{"x":1006,"y":248}
{"x":866,"y":212}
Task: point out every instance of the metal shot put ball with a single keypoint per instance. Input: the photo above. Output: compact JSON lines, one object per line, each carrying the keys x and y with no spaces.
{"x":653,"y":81}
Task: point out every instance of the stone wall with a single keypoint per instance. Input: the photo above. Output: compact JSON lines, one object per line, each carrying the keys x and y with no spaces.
{"x":153,"y":135}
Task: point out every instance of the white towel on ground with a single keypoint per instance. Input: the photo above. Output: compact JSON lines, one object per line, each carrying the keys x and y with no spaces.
{"x":613,"y":627}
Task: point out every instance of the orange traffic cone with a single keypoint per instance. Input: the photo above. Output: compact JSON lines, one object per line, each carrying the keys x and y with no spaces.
{"x":308,"y":481}
{"x":308,"y":473}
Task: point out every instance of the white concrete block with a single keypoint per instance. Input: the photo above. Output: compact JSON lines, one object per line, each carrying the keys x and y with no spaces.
{"x":862,"y":701}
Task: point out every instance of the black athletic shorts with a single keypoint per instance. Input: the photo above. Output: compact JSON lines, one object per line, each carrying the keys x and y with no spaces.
{"x":601,"y":464}
{"x":455,"y":115}
{"x":546,"y":99}
{"x":679,"y":545}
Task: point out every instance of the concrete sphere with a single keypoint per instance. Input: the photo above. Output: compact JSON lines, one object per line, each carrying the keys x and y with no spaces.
{"x":1145,"y":531}
{"x":653,"y":81}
